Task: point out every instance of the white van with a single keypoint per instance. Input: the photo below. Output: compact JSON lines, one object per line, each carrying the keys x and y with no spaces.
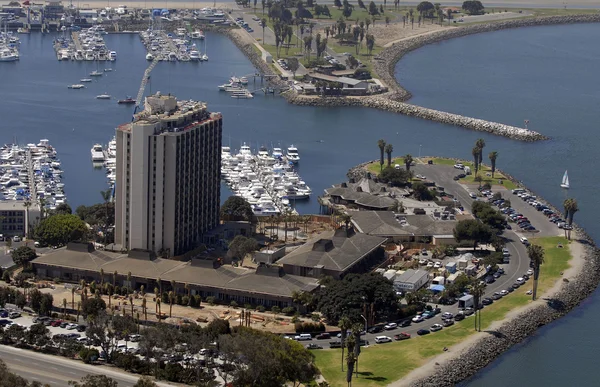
{"x":383,"y":339}
{"x":303,"y":337}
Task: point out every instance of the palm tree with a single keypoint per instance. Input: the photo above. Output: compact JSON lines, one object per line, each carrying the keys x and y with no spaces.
{"x":156,"y":298}
{"x":477,"y":289}
{"x":475,"y":152}
{"x":159,"y":311}
{"x":64,"y":304}
{"x":389,"y":148}
{"x":357,"y":329}
{"x":170,"y":302}
{"x":264,"y":25}
{"x":345,"y":323}
{"x":78,"y":309}
{"x":408,"y":160}
{"x":189,"y":290}
{"x":73,"y":297}
{"x":381,"y":145}
{"x":571,"y":208}
{"x":144,"y":310}
{"x":480,"y":143}
{"x":142,"y":289}
{"x":102,"y":277}
{"x":27,"y":204}
{"x":129,"y":281}
{"x":536,"y":255}
{"x":83,"y":287}
{"x":115,"y":274}
{"x":131,"y":303}
{"x":42,"y":202}
{"x":493,"y":156}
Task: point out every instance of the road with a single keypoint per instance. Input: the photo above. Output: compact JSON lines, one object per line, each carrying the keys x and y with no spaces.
{"x":57,"y":371}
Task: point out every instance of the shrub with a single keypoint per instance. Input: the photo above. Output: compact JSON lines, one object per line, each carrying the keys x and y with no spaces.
{"x":248,"y":306}
{"x":185,"y":300}
{"x":197,"y":301}
{"x":88,"y":354}
{"x":309,"y":327}
{"x":288,"y":310}
{"x":211,"y":300}
{"x":179,"y":299}
{"x":233,"y":304}
{"x":260,"y":308}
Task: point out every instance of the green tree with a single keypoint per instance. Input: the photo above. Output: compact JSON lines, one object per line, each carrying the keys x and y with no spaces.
{"x":424,"y":7}
{"x":63,"y":209}
{"x":58,"y":230}
{"x":422,"y":193}
{"x":145,"y":381}
{"x":480,"y":143}
{"x":389,"y":148}
{"x":472,"y":230}
{"x":493,"y":156}
{"x":344,"y":324}
{"x":373,"y":8}
{"x":536,"y":255}
{"x":263,"y":24}
{"x":242,"y":246}
{"x":236,"y":208}
{"x":22,"y":255}
{"x":92,"y":307}
{"x":473,"y":7}
{"x":408,"y":160}
{"x":94,"y":381}
{"x":381,"y":144}
{"x":293,"y":65}
{"x":475,"y":152}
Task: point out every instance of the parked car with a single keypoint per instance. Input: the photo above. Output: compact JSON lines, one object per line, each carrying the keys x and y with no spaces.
{"x":71,"y":326}
{"x":323,"y":336}
{"x":375,"y":329}
{"x":447,"y":322}
{"x":402,"y":336}
{"x":417,"y":319}
{"x":459,"y":316}
{"x":81,"y":328}
{"x":423,"y":332}
{"x":447,"y":315}
{"x":383,"y":339}
{"x":436,"y":327}
{"x":405,"y":323}
{"x":390,"y":326}
{"x":14,"y":315}
{"x":487,"y":301}
{"x":313,"y":346}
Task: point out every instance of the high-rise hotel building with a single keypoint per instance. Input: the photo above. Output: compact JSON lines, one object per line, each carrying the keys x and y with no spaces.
{"x":168,"y":176}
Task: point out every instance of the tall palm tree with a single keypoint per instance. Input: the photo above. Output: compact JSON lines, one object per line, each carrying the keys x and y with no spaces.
{"x":571,"y":208}
{"x":170,"y":302}
{"x":408,"y":160}
{"x":389,"y":148}
{"x":142,"y":290}
{"x":475,"y":152}
{"x":480,"y":143}
{"x":381,"y":145}
{"x":345,"y":323}
{"x":73,"y":298}
{"x":189,"y":290}
{"x":574,"y":208}
{"x":78,"y":310}
{"x":156,"y":298}
{"x":159,"y":311}
{"x":477,"y":289}
{"x":357,"y":328}
{"x":64,"y":305}
{"x":129,"y":281}
{"x":102,"y":277}
{"x":83,"y":287}
{"x":115,"y":274}
{"x":42,"y":202}
{"x":536,"y":255}
{"x":264,"y":25}
{"x":27,"y":204}
{"x":493,"y":156}
{"x":131,"y":303}
{"x":144,"y":310}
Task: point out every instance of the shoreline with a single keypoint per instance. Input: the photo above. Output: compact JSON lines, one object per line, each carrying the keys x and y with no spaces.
{"x":466,"y":358}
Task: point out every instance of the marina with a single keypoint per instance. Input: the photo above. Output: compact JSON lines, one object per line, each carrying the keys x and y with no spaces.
{"x":9,"y":45}
{"x":85,"y":45}
{"x":177,"y":47}
{"x":267,"y":180}
{"x":31,"y":173}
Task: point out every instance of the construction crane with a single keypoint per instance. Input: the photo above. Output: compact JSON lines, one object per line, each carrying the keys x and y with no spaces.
{"x":138,"y":99}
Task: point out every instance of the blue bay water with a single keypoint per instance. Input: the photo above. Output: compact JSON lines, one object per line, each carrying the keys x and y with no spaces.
{"x":545,"y":75}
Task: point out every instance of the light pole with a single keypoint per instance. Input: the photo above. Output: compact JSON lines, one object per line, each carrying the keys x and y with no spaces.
{"x":420,"y":150}
{"x":366,"y":325}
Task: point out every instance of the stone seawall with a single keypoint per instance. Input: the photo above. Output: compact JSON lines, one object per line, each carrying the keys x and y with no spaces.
{"x":385,"y":63}
{"x":382,"y":102}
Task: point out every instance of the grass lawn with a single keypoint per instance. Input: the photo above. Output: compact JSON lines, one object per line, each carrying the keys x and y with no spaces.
{"x":470,"y":178}
{"x":375,"y":168}
{"x":382,"y":364}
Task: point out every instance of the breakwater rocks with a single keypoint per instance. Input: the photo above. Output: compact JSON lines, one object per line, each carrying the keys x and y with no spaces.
{"x":486,"y":350}
{"x":385,"y":63}
{"x":383,"y":102}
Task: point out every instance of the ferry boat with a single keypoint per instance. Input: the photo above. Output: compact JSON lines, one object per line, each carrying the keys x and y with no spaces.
{"x":241,"y":94}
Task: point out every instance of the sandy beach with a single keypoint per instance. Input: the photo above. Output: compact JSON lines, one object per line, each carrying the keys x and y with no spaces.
{"x":576,"y":266}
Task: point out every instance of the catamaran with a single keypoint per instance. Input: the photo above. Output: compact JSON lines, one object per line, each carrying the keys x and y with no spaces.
{"x":565,"y":181}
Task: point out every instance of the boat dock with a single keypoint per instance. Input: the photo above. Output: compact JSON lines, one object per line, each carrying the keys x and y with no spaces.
{"x":166,"y":47}
{"x":86,"y":44}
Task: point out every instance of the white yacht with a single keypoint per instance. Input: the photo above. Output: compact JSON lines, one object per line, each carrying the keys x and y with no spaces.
{"x":7,"y":55}
{"x":292,"y":154}
{"x":112,"y":55}
{"x":85,"y":80}
{"x":97,"y":153}
{"x":197,"y":34}
{"x":204,"y":57}
{"x":172,"y":57}
{"x":194,"y":55}
{"x":277,"y":153}
{"x":103,"y":96}
{"x":264,"y":157}
{"x":149,"y":56}
{"x":76,"y":87}
{"x":96,"y":73}
{"x":180,"y":32}
{"x":241,"y":94}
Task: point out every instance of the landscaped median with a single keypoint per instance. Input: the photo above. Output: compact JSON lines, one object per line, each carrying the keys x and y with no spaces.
{"x":381,"y":364}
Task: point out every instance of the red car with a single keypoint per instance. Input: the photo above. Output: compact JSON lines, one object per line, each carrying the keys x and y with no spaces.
{"x":56,"y":323}
{"x":402,"y":336}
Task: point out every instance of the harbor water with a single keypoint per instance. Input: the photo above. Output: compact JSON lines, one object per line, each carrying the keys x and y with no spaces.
{"x":544,"y":74}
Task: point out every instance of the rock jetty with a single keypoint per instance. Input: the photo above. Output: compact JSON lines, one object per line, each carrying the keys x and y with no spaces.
{"x":383,"y":102}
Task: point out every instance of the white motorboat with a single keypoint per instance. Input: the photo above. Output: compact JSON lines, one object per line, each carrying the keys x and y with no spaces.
{"x":244,"y":81}
{"x":204,"y":57}
{"x":107,"y":70}
{"x":76,"y":87}
{"x":197,"y":34}
{"x":97,"y":153}
{"x":292,"y":154}
{"x":180,"y":32}
{"x":113,"y":55}
{"x":277,"y":153}
{"x":149,"y":56}
{"x":8,"y":55}
{"x":172,"y":57}
{"x":85,"y":80}
{"x":96,"y":73}
{"x":103,"y":96}
{"x":565,"y":181}
{"x":194,"y":55}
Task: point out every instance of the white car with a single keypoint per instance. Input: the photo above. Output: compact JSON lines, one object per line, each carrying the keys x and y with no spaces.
{"x":459,"y":166}
{"x":383,"y":339}
{"x":530,"y":272}
{"x":437,"y":265}
{"x":436,"y":327}
{"x":417,"y":319}
{"x":71,"y":326}
{"x":472,"y":195}
{"x":430,"y":264}
{"x":504,"y":292}
{"x":520,"y":280}
{"x":524,"y":240}
{"x":390,"y":326}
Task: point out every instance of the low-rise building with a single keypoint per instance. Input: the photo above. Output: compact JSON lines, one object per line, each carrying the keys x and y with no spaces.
{"x":411,"y":280}
{"x":267,"y":285}
{"x":16,"y":219}
{"x":335,"y":253}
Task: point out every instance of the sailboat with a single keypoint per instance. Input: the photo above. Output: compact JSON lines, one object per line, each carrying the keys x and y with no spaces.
{"x":565,"y":181}
{"x":204,"y":57}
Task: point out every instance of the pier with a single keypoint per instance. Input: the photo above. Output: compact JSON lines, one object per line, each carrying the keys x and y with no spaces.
{"x":166,"y":48}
